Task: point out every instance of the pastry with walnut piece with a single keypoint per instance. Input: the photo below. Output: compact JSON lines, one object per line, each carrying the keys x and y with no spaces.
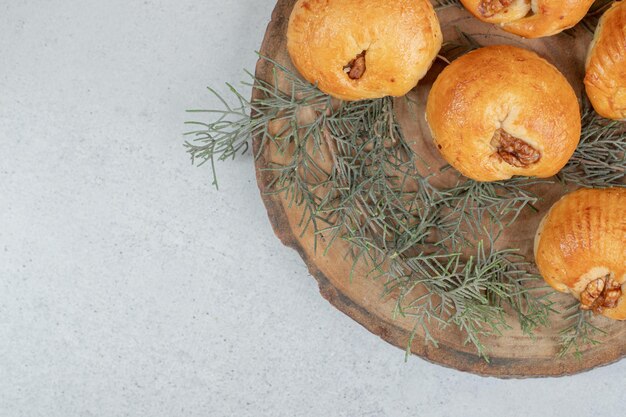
{"x":356,"y":50}
{"x":530,"y":18}
{"x":580,"y":248}
{"x":605,"y":80}
{"x":502,"y":111}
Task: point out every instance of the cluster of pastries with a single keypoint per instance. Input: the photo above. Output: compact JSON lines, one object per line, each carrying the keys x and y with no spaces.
{"x":355,"y":50}
{"x":496,"y":112}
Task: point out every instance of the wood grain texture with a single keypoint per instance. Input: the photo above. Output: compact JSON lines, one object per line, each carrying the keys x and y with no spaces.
{"x":513,"y":355}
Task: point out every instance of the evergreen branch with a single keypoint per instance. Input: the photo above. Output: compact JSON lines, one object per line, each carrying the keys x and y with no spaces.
{"x":470,"y":204}
{"x":580,"y":334}
{"x":473,"y":295}
{"x":600,"y":159}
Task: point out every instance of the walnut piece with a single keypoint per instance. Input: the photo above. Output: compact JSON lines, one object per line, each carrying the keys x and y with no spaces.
{"x":514,"y":151}
{"x":489,"y":8}
{"x":602,"y":293}
{"x":356,"y":68}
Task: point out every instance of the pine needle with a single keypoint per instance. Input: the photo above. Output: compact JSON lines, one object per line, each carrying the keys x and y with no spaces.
{"x":580,"y":335}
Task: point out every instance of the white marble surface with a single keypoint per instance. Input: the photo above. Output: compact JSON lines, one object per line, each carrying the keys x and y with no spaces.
{"x":129,"y":287}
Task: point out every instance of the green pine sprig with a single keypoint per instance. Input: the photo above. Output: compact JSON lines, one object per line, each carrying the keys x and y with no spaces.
{"x":600,"y":159}
{"x":580,"y":334}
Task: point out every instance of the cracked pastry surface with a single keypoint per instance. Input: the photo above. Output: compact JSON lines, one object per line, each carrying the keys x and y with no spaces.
{"x":502,"y":111}
{"x":530,"y":18}
{"x":356,"y":49}
{"x":580,"y":248}
{"x":605,"y":80}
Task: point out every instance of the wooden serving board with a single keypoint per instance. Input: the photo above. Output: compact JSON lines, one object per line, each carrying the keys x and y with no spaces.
{"x":512,"y":355}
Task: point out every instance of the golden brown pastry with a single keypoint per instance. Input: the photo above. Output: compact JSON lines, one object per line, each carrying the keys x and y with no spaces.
{"x":502,"y":111}
{"x":606,"y":64}
{"x":580,"y":248}
{"x":530,"y":19}
{"x":355,"y":49}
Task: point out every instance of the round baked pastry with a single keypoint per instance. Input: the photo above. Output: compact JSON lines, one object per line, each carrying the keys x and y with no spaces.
{"x":356,"y":49}
{"x":580,"y":248}
{"x":606,"y":64}
{"x":502,"y":111}
{"x":530,"y":19}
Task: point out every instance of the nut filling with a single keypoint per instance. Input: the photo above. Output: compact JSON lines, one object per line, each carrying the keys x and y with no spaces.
{"x":514,"y":151}
{"x":602,"y":293}
{"x":490,"y":8}
{"x":356,"y":68}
